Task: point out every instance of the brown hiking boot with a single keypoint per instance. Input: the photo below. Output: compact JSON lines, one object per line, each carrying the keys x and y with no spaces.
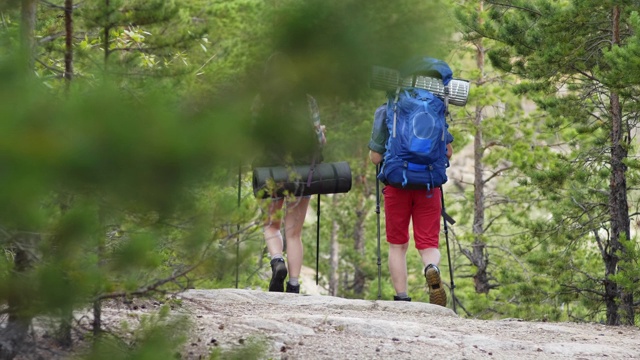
{"x":436,"y":291}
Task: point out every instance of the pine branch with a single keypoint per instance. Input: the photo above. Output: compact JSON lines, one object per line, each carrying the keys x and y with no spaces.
{"x":144,"y":290}
{"x":205,"y":64}
{"x":50,"y":38}
{"x":575,"y":289}
{"x":49,"y":67}
{"x":511,"y":6}
{"x":496,"y":173}
{"x":155,"y":287}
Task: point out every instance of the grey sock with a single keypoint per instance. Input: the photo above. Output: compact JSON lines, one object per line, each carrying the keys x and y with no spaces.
{"x":277,"y":256}
{"x":293,"y":281}
{"x":402,"y":295}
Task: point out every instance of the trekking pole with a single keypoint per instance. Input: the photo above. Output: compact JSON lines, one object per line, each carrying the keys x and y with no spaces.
{"x":318,"y":241}
{"x":446,"y":218}
{"x":238,"y":227}
{"x":378,"y":226}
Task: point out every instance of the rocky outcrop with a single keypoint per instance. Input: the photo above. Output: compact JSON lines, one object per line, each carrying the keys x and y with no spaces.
{"x":324,"y":327}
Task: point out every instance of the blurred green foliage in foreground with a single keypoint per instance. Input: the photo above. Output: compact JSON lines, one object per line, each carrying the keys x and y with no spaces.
{"x":123,"y":181}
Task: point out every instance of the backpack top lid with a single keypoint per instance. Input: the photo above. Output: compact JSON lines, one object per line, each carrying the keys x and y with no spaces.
{"x":427,"y":66}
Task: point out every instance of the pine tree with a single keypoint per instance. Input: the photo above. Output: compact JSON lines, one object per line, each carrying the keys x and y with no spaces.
{"x":560,"y":49}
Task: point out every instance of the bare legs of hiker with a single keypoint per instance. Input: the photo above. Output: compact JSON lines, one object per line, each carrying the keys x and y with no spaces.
{"x":294,"y":215}
{"x":398,"y":270}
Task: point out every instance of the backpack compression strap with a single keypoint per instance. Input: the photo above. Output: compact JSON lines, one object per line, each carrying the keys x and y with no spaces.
{"x":395,"y":104}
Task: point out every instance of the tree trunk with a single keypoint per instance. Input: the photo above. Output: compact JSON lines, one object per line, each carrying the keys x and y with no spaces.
{"x":68,"y":53}
{"x":103,"y":216}
{"x":619,"y":214}
{"x":359,"y":277}
{"x":334,"y":252}
{"x":620,"y":226}
{"x":63,"y":335}
{"x":27,"y":33}
{"x":618,"y":207}
{"x":477,"y":255}
{"x":106,"y":30}
{"x":13,"y":335}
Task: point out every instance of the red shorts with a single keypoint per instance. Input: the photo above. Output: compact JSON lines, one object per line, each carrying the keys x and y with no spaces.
{"x":422,"y":207}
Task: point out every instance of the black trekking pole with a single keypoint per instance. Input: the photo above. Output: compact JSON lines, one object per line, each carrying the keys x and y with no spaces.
{"x":238,"y":226}
{"x":446,"y":218}
{"x":318,"y":241}
{"x":378,"y":223}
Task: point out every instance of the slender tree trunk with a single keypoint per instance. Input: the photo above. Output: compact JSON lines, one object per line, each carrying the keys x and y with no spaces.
{"x":478,"y":255}
{"x":13,"y":335}
{"x":63,"y":336}
{"x":68,"y":53}
{"x":479,"y":258}
{"x":103,"y":216}
{"x":27,"y":32}
{"x":97,"y":304}
{"x":106,"y":30}
{"x":619,"y":215}
{"x":359,"y":277}
{"x":618,"y":206}
{"x":334,"y":252}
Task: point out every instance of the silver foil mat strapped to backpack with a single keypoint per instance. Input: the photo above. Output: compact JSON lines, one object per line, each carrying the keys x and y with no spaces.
{"x":384,"y":78}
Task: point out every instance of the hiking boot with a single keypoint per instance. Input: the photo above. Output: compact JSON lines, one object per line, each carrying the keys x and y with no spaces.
{"x":293,"y":288}
{"x":436,"y":291}
{"x":396,"y":298}
{"x":278,"y":274}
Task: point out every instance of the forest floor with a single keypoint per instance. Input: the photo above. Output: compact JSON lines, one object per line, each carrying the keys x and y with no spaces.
{"x":292,"y":326}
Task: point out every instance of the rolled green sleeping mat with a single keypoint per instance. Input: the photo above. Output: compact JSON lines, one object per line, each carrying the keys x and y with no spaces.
{"x":326,"y":178}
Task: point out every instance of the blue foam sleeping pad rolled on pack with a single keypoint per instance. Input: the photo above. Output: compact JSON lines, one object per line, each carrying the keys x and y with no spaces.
{"x":326,"y":178}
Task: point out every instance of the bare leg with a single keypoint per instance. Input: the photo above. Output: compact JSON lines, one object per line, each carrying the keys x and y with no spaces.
{"x":430,"y":256}
{"x":272,"y":234}
{"x":296,"y":212}
{"x":398,"y":266}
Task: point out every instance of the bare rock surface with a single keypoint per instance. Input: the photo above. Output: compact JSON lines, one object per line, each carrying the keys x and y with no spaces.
{"x":326,"y":327}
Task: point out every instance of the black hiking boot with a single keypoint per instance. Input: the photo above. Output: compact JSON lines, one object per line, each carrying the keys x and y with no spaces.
{"x":396,"y":298}
{"x":278,"y":274}
{"x":293,"y":288}
{"x":434,"y":283}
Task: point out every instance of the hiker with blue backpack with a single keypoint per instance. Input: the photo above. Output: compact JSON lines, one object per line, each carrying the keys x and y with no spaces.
{"x":411,"y":144}
{"x":289,"y":120}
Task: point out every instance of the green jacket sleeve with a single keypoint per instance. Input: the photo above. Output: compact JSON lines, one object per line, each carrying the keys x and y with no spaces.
{"x":380,"y":132}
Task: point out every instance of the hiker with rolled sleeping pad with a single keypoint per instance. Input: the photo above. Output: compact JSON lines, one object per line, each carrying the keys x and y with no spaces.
{"x":411,"y":147}
{"x":289,"y":168}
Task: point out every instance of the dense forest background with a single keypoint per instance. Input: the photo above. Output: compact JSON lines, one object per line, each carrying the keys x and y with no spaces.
{"x":126,"y":144}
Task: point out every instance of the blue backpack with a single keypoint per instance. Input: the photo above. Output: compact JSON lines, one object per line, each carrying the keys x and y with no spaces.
{"x":416,"y":150}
